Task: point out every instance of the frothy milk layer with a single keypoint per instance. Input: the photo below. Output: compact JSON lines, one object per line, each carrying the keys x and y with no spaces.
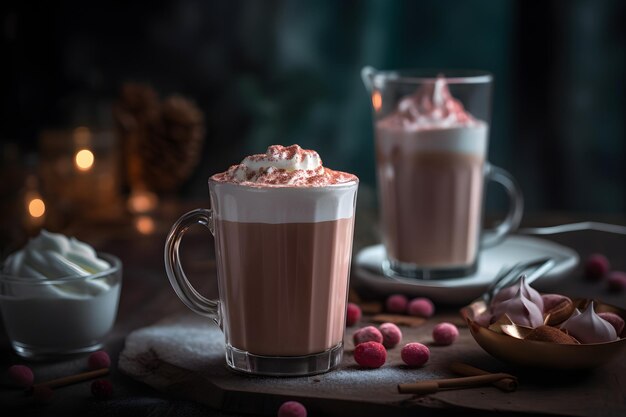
{"x":283,"y":166}
{"x":467,"y":140}
{"x":237,"y":203}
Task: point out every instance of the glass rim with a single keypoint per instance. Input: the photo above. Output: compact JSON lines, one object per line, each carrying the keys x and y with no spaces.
{"x":429,"y":75}
{"x":116,"y":266}
{"x":266,"y":187}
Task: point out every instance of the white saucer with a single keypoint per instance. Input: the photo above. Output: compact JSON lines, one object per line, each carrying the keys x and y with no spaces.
{"x":514,"y":249}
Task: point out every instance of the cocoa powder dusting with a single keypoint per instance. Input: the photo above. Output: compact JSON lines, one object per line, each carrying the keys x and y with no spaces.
{"x":265,"y":170}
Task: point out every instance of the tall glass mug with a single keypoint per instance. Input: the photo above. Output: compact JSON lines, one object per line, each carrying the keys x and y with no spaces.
{"x":283,"y":262}
{"x":431,"y":133}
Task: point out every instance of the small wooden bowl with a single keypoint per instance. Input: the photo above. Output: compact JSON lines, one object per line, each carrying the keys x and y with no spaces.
{"x":544,"y":355}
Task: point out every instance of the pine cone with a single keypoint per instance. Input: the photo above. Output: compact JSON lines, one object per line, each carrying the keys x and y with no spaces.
{"x":173,"y":145}
{"x":161,"y":141}
{"x":138,"y":104}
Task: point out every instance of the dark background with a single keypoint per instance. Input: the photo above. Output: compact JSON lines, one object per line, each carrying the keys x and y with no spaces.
{"x":267,"y":72}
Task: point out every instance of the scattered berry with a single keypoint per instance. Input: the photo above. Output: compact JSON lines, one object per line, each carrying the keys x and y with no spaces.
{"x":616,"y":281}
{"x":99,"y":360}
{"x":370,"y":355}
{"x":396,"y":303}
{"x":292,"y":409}
{"x":42,"y":395}
{"x":102,"y":389}
{"x":391,"y":334}
{"x":445,"y":334}
{"x":353,"y":315}
{"x":421,"y":307}
{"x":596,"y":266}
{"x":367,"y":334}
{"x":415,"y":354}
{"x":21,"y":376}
{"x":615,"y":320}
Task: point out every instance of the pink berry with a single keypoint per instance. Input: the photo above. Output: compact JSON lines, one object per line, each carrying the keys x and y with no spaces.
{"x":421,"y":307}
{"x":21,"y":376}
{"x":102,"y":389}
{"x":370,"y":355}
{"x":615,"y":320}
{"x":396,"y":303}
{"x":367,"y":334}
{"x":616,"y":281}
{"x":415,"y":354}
{"x":391,"y":334}
{"x":43,"y":394}
{"x":445,"y":334}
{"x":596,"y":266}
{"x":353,"y":315}
{"x":292,"y":409}
{"x":99,"y":360}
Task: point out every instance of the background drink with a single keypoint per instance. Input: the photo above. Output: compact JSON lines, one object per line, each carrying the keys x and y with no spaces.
{"x":431,"y":133}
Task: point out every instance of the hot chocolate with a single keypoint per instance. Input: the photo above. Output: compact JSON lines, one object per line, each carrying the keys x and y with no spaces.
{"x":430,"y":160}
{"x":283,"y":234}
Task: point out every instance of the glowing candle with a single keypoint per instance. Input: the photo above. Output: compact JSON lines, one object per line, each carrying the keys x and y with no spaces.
{"x":36,"y":207}
{"x":377,"y":100}
{"x":144,"y":225}
{"x":84,"y":159}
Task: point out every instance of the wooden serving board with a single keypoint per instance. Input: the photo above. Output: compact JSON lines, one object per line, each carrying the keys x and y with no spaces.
{"x":184,"y":356}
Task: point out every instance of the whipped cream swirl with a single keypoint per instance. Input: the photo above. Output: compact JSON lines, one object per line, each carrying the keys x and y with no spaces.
{"x":51,"y":256}
{"x":283,"y":166}
{"x":430,"y":107}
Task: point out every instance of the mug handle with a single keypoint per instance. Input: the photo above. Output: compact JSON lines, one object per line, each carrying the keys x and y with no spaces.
{"x":516,"y":206}
{"x":185,"y":291}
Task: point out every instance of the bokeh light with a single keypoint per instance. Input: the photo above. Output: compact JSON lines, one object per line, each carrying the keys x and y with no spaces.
{"x":36,"y":207}
{"x":84,"y":159}
{"x":377,"y":100}
{"x":144,"y":225}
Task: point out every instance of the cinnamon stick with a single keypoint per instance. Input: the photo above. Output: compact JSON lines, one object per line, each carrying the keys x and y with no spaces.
{"x":505,"y":384}
{"x":434,"y":385}
{"x":71,"y":379}
{"x":370,"y":307}
{"x":399,"y":319}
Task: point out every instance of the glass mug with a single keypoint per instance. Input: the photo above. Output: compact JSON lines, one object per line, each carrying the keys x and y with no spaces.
{"x":283,"y":262}
{"x":431,"y":176}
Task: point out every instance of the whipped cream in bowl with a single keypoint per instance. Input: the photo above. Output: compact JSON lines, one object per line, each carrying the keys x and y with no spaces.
{"x":58,"y":296}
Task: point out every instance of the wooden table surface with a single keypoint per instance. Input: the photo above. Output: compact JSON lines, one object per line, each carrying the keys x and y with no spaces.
{"x":147,"y":298}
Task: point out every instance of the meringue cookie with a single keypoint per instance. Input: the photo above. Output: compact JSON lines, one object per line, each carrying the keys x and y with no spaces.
{"x":588,"y":327}
{"x":509,"y":292}
{"x":615,"y":320}
{"x":520,"y":310}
